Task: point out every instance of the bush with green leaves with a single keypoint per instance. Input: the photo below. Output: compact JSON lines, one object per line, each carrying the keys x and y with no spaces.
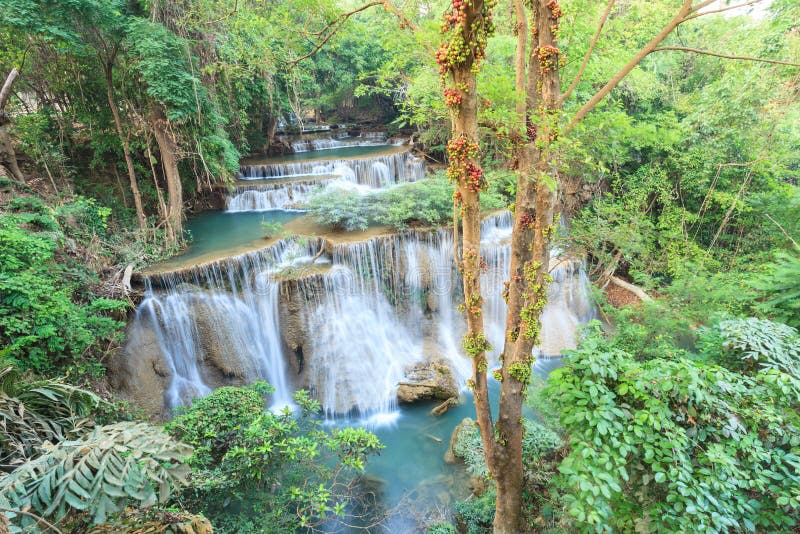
{"x":427,"y":202}
{"x":99,"y":474}
{"x":476,"y":514}
{"x":46,"y":317}
{"x":340,"y":209}
{"x":259,"y":471}
{"x":673,"y":445}
{"x":756,"y":345}
{"x":537,"y":441}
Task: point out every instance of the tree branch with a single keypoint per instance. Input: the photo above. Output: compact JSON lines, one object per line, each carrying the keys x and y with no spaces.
{"x":686,"y":9}
{"x":334,"y":26}
{"x":727,"y":8}
{"x":585,"y":62}
{"x":726,"y":56}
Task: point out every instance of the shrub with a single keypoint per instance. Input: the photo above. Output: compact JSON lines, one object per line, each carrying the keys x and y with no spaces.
{"x":44,"y":322}
{"x":476,"y":515}
{"x":268,"y":472}
{"x":427,"y":202}
{"x":33,"y":413}
{"x":536,"y":442}
{"x":781,"y":288}
{"x":676,"y":445}
{"x":340,"y":209}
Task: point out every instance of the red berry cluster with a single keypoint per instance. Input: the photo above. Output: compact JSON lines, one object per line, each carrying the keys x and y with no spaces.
{"x":461,"y":151}
{"x":467,"y":45}
{"x":452,"y":97}
{"x":530,"y":128}
{"x":474,"y":177}
{"x":457,"y":16}
{"x":527,"y":221}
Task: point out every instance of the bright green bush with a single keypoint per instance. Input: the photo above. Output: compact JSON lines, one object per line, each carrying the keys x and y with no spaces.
{"x":536,"y":442}
{"x":476,"y":515}
{"x":340,"y":209}
{"x":46,"y":320}
{"x":675,"y":445}
{"x":427,"y":202}
{"x":259,"y":471}
{"x":35,"y":413}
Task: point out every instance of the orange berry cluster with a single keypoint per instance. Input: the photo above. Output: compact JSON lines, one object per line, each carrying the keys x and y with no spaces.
{"x":553,"y":6}
{"x":547,"y":56}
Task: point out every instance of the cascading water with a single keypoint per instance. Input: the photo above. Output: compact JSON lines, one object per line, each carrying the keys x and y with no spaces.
{"x":376,"y":171}
{"x":222,"y":316}
{"x":568,"y":306}
{"x":338,"y":141}
{"x":265,"y":197}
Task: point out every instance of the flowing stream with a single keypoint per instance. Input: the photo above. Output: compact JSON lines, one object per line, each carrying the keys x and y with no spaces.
{"x":344,"y":318}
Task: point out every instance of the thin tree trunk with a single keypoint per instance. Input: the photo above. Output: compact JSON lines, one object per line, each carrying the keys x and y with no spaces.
{"x":8,"y":158}
{"x":162,"y":206}
{"x":469,"y":25}
{"x":168,"y":148}
{"x":126,"y":149}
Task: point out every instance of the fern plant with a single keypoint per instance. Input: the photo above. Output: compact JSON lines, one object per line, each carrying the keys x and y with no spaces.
{"x":781,"y":288}
{"x":112,"y":467}
{"x":32,"y":413}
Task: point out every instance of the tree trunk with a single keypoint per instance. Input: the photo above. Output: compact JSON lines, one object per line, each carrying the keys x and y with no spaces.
{"x":126,"y":149}
{"x":469,"y":25}
{"x":168,"y":149}
{"x":8,"y":158}
{"x":529,"y":279}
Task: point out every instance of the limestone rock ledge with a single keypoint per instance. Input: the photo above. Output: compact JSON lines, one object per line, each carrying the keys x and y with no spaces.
{"x":427,"y":381}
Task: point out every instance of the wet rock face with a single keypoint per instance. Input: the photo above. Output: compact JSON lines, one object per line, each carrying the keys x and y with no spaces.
{"x":139,"y":372}
{"x":427,"y":381}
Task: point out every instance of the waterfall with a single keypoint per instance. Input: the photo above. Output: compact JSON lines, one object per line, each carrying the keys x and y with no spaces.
{"x":360,"y":346}
{"x":338,"y":141}
{"x":264,"y":197}
{"x":222,"y":316}
{"x":375,"y":171}
{"x":364,"y":313}
{"x":568,"y":306}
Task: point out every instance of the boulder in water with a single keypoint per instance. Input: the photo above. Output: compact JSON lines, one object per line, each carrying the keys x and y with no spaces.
{"x":427,"y":381}
{"x":450,"y":455}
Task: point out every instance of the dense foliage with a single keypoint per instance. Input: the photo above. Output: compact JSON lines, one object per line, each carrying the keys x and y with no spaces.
{"x":48,"y":318}
{"x":99,"y":474}
{"x":675,"y":445}
{"x":259,"y":471}
{"x":427,"y":202}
